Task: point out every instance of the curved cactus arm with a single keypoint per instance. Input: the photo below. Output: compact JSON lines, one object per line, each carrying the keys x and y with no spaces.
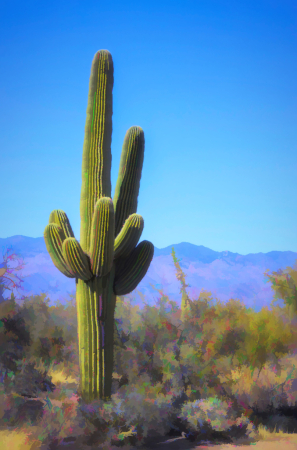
{"x":76,"y":259}
{"x":129,"y":236}
{"x":96,"y":163}
{"x":102,"y":237}
{"x":127,"y":187}
{"x":131,"y":270}
{"x":60,"y":218}
{"x":53,"y":236}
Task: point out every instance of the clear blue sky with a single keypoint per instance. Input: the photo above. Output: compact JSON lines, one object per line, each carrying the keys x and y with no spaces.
{"x":213,"y":85}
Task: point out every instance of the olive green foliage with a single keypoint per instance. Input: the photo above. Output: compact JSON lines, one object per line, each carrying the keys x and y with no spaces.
{"x":34,"y":331}
{"x":107,"y":261}
{"x":215,"y":415}
{"x":284,"y":284}
{"x":206,"y":351}
{"x":207,"y":374}
{"x":200,"y":356}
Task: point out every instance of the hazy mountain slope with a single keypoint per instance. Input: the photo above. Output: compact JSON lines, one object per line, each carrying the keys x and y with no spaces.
{"x":225,"y":274}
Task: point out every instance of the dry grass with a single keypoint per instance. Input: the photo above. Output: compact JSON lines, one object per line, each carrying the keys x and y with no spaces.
{"x":61,"y":374}
{"x":267,"y":440}
{"x":288,"y":444}
{"x":19,"y":439}
{"x":266,"y":435}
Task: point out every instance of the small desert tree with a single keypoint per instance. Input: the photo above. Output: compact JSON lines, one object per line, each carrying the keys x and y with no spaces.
{"x":284,"y":285}
{"x":10,"y":268}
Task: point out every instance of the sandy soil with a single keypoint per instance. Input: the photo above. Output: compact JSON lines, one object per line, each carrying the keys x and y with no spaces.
{"x":180,"y":443}
{"x":287,"y":443}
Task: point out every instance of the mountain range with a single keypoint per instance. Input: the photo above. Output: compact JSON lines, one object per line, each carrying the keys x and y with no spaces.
{"x":225,"y":274}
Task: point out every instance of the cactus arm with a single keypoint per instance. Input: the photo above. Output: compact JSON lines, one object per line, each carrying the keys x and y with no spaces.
{"x":53,"y":236}
{"x":127,"y":187}
{"x":76,"y":259}
{"x":131,"y":270}
{"x":96,"y":150}
{"x":102,"y":237}
{"x":60,"y":218}
{"x":129,"y":236}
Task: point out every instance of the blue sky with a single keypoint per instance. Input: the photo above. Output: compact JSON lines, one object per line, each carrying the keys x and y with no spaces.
{"x":212,"y":84}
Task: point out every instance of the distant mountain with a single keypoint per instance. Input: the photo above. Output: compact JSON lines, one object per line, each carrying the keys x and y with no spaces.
{"x":226,"y":274}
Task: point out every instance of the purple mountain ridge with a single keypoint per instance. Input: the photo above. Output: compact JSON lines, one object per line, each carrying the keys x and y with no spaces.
{"x":225,"y":274}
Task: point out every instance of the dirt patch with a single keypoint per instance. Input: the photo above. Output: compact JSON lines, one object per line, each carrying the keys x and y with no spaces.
{"x":181,"y":443}
{"x":289,"y":443}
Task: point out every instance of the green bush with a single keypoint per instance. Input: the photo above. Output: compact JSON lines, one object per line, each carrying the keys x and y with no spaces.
{"x":134,"y":413}
{"x":214,"y":415}
{"x":31,"y":381}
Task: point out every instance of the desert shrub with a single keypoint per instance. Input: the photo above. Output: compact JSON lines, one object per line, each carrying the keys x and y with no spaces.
{"x":207,"y":414}
{"x":243,"y":427}
{"x":51,"y":330}
{"x":274,"y":386}
{"x":30,"y":381}
{"x":104,"y":419}
{"x":15,"y":327}
{"x":36,"y":330}
{"x":9,"y":406}
{"x":134,"y":413}
{"x":267,"y":337}
{"x":106,"y":423}
{"x":14,"y":336}
{"x":60,"y":420}
{"x":9,"y":359}
{"x":210,"y":415}
{"x":9,"y":306}
{"x":51,"y":348}
{"x":16,"y":410}
{"x":52,"y":420}
{"x":147,"y":409}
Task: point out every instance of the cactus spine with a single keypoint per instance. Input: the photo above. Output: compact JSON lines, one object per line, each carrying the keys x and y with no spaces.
{"x":107,"y":261}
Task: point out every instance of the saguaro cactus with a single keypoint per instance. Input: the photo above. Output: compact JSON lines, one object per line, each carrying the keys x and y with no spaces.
{"x":107,"y":261}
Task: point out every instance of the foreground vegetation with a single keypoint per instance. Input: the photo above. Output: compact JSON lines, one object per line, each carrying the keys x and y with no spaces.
{"x":223,"y":373}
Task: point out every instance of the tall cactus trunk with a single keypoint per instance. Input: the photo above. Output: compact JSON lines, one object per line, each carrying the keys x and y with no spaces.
{"x":95,"y":335}
{"x":94,"y":295}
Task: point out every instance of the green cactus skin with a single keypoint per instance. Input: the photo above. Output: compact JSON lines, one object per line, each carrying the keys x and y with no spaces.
{"x":127,"y":187}
{"x":102,"y":237}
{"x":106,"y":261}
{"x":60,"y":218}
{"x":76,"y":259}
{"x":129,"y":236}
{"x":54,"y":236}
{"x":129,"y":269}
